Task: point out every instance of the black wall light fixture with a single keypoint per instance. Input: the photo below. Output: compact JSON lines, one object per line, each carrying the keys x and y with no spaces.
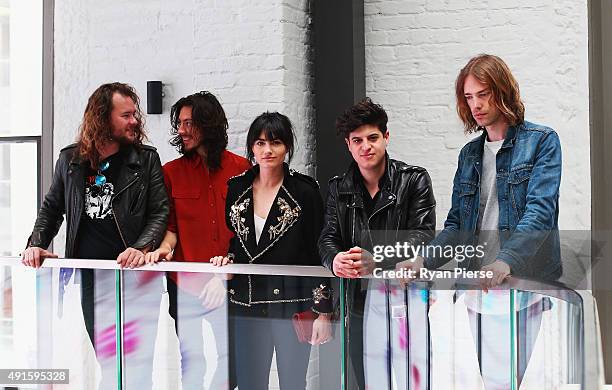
{"x":154,"y":97}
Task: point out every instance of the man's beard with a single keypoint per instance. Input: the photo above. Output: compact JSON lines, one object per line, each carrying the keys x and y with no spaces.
{"x":193,"y":150}
{"x":124,"y":140}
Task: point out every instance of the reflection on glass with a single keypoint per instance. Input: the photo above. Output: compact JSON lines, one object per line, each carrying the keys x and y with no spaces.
{"x":396,"y":336}
{"x":548,"y":339}
{"x":186,"y":337}
{"x":199,"y":307}
{"x":270,"y":339}
{"x":44,"y":318}
{"x":416,"y":338}
{"x":141,"y":292}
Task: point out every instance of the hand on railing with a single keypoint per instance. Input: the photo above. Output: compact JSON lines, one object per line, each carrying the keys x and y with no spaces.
{"x":220,"y":261}
{"x":353,"y":263}
{"x":34,"y":256}
{"x":500,"y":270}
{"x":163,"y":253}
{"x":131,"y":258}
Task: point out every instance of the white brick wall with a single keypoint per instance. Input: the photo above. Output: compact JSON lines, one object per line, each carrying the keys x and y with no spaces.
{"x":414,"y":50}
{"x":253,"y":55}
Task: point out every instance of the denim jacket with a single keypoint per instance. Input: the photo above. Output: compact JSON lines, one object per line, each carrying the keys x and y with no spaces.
{"x":528,"y":178}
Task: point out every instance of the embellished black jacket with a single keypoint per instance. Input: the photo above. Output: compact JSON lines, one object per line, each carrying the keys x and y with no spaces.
{"x":289,"y":237}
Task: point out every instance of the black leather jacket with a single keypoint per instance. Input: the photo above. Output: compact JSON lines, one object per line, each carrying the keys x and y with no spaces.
{"x":406,"y":203}
{"x":140,"y":203}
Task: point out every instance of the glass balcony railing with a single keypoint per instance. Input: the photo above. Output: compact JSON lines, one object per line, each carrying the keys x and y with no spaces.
{"x":172,"y":326}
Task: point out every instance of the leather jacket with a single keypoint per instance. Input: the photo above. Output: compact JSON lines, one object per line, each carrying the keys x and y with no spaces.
{"x":406,"y":204}
{"x":140,"y":203}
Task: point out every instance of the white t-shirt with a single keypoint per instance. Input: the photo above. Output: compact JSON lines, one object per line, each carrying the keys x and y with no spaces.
{"x":259,"y":225}
{"x":488,"y":216}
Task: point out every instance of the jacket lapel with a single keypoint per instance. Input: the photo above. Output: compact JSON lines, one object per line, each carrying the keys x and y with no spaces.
{"x":285,"y":211}
{"x":242,"y":220}
{"x":129,"y":171}
{"x":77,"y":176}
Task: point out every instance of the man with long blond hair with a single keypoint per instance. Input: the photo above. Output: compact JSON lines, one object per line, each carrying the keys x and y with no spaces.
{"x":505,"y":199}
{"x":110,"y":187}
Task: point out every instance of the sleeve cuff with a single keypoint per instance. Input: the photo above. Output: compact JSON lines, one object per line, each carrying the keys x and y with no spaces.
{"x":513,"y":260}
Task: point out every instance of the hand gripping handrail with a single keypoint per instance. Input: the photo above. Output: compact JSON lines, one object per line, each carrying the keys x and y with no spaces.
{"x":184,"y":266}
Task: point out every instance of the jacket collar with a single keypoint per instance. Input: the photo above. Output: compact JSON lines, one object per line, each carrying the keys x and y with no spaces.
{"x":249,"y":175}
{"x":131,"y":166}
{"x":509,"y":139}
{"x":194,"y":159}
{"x":132,"y":158}
{"x":348,"y":186}
{"x":285,"y":211}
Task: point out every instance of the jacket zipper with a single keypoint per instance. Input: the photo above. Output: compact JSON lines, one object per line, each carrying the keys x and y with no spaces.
{"x":373,"y":214}
{"x":76,"y":226}
{"x":115,"y":214}
{"x":353,"y":233}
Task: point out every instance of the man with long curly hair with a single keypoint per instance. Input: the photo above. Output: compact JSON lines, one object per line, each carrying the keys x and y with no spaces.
{"x":110,"y":187}
{"x":505,"y":199}
{"x":109,"y":150}
{"x":197,"y":187}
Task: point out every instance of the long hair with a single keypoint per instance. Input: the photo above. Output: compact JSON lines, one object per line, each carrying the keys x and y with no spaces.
{"x":492,"y":71}
{"x":95,"y":130}
{"x":208,"y":119}
{"x":364,"y":112}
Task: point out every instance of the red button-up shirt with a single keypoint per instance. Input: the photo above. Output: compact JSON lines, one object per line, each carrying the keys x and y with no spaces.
{"x":197,"y":209}
{"x":197,"y":205}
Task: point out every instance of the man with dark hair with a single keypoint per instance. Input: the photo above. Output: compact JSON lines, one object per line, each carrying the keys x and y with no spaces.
{"x":505,"y":199}
{"x":375,"y":193}
{"x":197,"y":186}
{"x":110,"y":187}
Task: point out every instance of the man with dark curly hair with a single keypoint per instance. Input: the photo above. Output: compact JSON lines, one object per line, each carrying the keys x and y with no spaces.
{"x":197,"y":187}
{"x":376,"y":193}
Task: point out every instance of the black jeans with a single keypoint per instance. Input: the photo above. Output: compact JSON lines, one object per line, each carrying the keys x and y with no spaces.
{"x":258,"y":332}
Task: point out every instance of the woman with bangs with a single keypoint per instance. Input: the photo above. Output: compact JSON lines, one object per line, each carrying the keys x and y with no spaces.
{"x":276,"y":215}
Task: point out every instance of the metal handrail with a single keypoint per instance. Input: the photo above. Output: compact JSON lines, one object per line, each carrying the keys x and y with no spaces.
{"x":183,"y":266}
{"x":552,"y":289}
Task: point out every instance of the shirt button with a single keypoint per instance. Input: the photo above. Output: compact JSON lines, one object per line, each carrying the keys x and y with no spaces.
{"x":210,"y":186}
{"x":214,"y":221}
{"x":276,"y":291}
{"x":211,"y":205}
